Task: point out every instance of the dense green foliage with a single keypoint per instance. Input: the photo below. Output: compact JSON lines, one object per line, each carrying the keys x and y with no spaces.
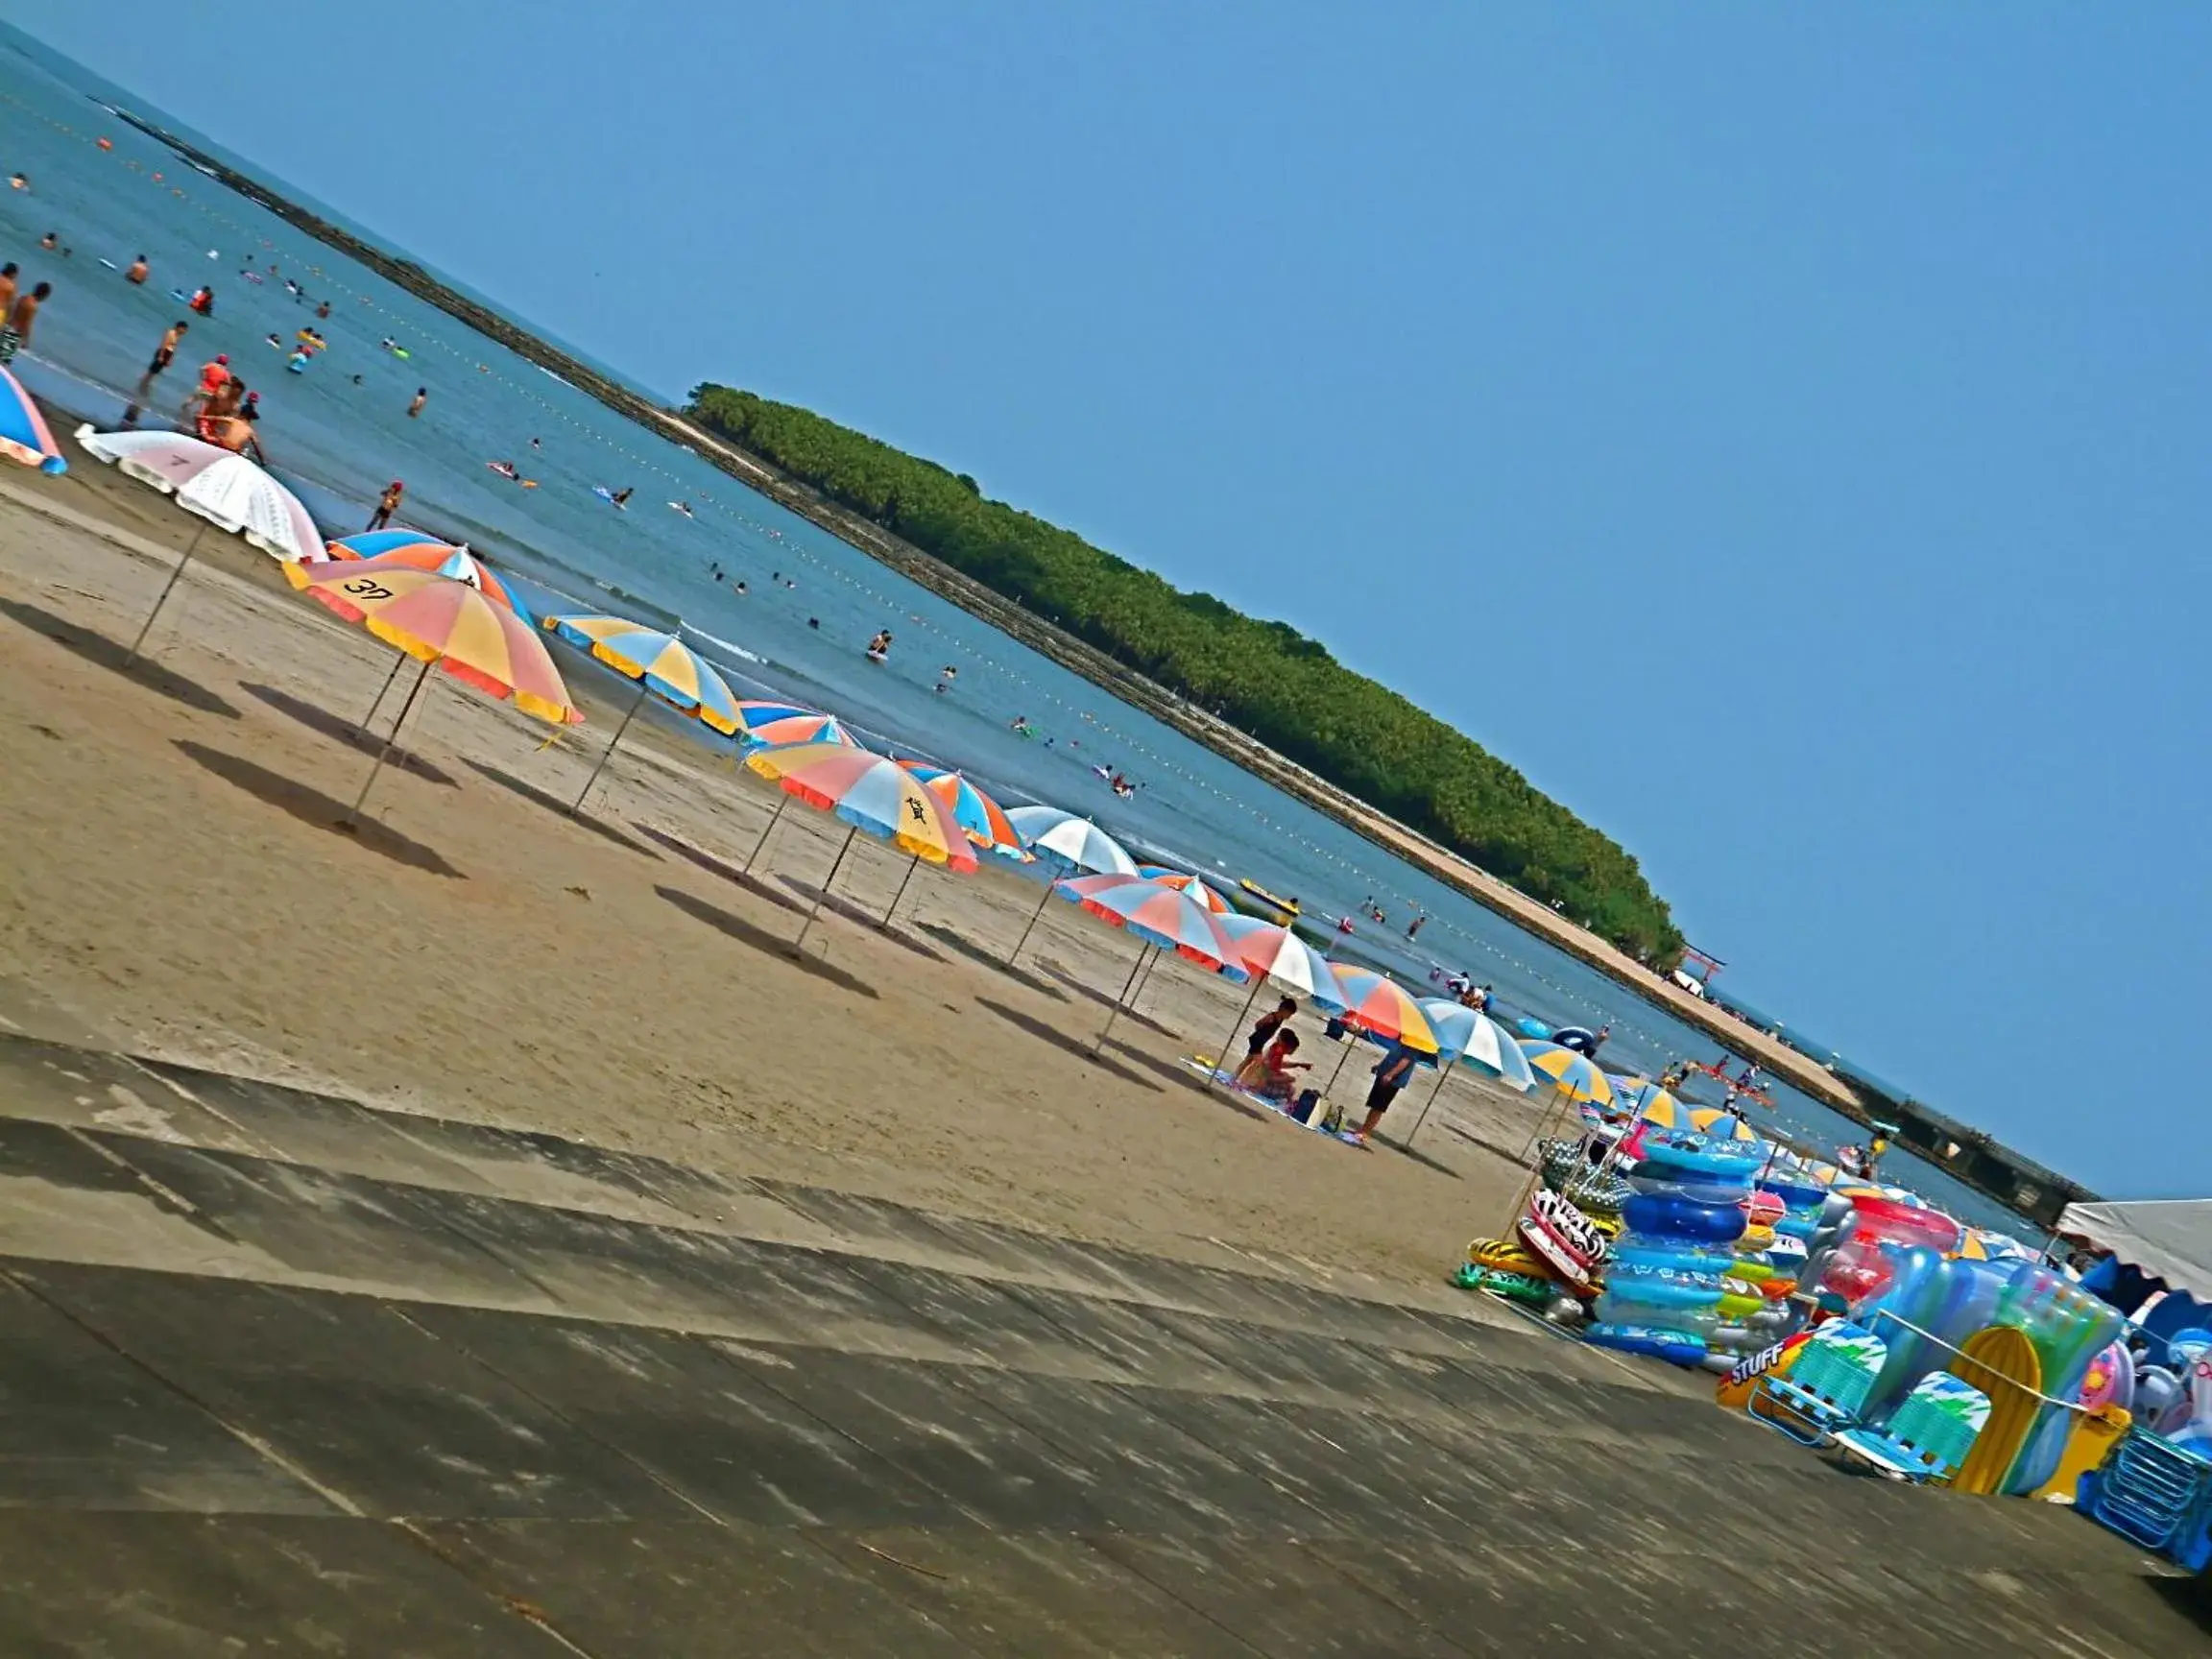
{"x":1264,"y":677}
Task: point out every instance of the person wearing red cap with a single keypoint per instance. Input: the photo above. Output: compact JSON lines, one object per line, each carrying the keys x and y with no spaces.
{"x":387,"y":504}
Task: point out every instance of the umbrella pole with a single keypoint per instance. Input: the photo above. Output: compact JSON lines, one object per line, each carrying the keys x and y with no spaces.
{"x":1443,"y":1076}
{"x":1014,"y":955}
{"x":399,"y":662}
{"x":1099,"y":1041}
{"x":781,"y":800}
{"x":1229,"y":1043}
{"x":133,"y":656}
{"x":822,"y":893}
{"x":636,"y":703}
{"x":893,"y":909}
{"x":1145,"y":981}
{"x":353,"y":813}
{"x":1351,"y":1042}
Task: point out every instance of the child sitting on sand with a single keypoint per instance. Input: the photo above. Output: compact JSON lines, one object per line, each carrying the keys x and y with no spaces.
{"x":1268,"y":1074}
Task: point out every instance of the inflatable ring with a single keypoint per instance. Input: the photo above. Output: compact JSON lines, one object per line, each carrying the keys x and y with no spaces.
{"x":1563,"y":1237}
{"x":1503,"y":1256}
{"x":1674,"y":1346}
{"x":1660,"y":1218}
{"x":1531,"y":1288}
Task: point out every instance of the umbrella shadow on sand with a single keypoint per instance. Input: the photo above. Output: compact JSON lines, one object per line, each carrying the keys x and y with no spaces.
{"x":313,"y":807}
{"x":852,"y":912}
{"x":102,"y":651}
{"x":340,"y":730}
{"x":715,"y":866}
{"x":1076,"y":1046}
{"x":766,"y":942}
{"x":1103,"y":1000}
{"x":537,"y":797}
{"x":998,"y":964}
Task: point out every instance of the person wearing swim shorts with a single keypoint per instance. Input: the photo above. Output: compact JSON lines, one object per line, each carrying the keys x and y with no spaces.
{"x":387,"y":504}
{"x":1391,"y":1073}
{"x":165,"y":353}
{"x":16,"y":332}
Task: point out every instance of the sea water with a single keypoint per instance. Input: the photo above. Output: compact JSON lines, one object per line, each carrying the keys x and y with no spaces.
{"x":813,"y":600}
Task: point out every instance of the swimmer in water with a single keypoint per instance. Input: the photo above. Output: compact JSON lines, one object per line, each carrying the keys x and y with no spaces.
{"x":137,"y":275}
{"x":421,"y":396}
{"x":621,"y":496}
{"x":737,"y":587}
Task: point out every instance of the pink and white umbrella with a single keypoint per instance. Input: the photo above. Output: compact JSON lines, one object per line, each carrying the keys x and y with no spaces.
{"x":226,"y":490}
{"x":222,"y":488}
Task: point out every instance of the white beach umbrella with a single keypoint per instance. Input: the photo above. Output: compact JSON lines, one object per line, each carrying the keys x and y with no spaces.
{"x":1067,"y":839}
{"x":1467,"y":1035}
{"x":221,"y":489}
{"x":1063,"y":839}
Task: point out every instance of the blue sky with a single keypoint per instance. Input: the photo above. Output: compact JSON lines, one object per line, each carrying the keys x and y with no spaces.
{"x":1777,"y":430}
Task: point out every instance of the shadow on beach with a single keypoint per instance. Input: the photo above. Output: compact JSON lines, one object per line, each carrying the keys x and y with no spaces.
{"x":766,"y":942}
{"x":537,"y":797}
{"x":984,"y":958}
{"x":1060,"y":1040}
{"x":718,"y":866}
{"x":102,"y":651}
{"x":839,"y":905}
{"x":339,"y":730}
{"x":318,"y":810}
{"x":1104,"y":1000}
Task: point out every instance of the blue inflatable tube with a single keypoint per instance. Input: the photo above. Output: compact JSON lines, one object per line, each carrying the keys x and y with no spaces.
{"x":1630,"y":1294}
{"x":1731,"y":1164}
{"x":1674,"y":1346}
{"x":1669,"y":1256}
{"x":1658,"y":1218}
{"x":1674,"y":1183}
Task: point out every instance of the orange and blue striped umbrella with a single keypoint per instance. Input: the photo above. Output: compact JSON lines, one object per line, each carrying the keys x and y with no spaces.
{"x":440,"y":622}
{"x":660,"y":663}
{"x":1161,"y":916}
{"x":781,"y":725}
{"x":1384,"y":1008}
{"x":1184,"y":882}
{"x":427,"y":553}
{"x":872,"y":793}
{"x":981,"y":819}
{"x":23,"y":434}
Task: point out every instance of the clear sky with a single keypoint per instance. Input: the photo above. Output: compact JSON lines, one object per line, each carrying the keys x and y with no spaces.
{"x":1779,"y":430}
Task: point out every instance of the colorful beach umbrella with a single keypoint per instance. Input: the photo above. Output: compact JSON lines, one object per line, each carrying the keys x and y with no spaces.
{"x":873,"y":793}
{"x":1571,"y":1074}
{"x":427,"y":553}
{"x":217,"y":487}
{"x":1274,"y":955}
{"x":1165,"y":918}
{"x":1187,"y":883}
{"x":980,"y":818}
{"x":24,"y":437}
{"x":785,"y":725}
{"x":1067,"y":845}
{"x":1383,"y":1009}
{"x":443,"y":624}
{"x":1718,"y":1124}
{"x":1466,"y":1034}
{"x":661,"y":664}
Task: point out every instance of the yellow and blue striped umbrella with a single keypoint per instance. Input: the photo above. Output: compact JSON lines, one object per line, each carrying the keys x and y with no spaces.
{"x":1720,"y":1124}
{"x":1572,"y":1074}
{"x":660,"y":663}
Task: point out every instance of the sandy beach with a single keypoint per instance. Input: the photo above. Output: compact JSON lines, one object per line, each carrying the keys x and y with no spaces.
{"x":177,"y":886}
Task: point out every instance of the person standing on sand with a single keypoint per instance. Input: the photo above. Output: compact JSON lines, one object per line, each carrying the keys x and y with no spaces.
{"x":16,"y":332}
{"x":421,"y":396}
{"x":1391,"y":1073}
{"x":387,"y":504}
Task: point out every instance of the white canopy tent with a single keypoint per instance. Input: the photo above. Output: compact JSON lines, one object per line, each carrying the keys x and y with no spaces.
{"x":2169,"y":1238}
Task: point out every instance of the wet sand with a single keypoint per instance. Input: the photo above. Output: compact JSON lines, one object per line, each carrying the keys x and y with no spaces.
{"x":175,"y":886}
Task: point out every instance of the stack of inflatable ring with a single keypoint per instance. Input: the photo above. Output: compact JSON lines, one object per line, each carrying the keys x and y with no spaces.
{"x":1571,"y":1248}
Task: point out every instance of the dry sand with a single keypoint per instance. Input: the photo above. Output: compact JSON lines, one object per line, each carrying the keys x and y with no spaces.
{"x":174,"y":884}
